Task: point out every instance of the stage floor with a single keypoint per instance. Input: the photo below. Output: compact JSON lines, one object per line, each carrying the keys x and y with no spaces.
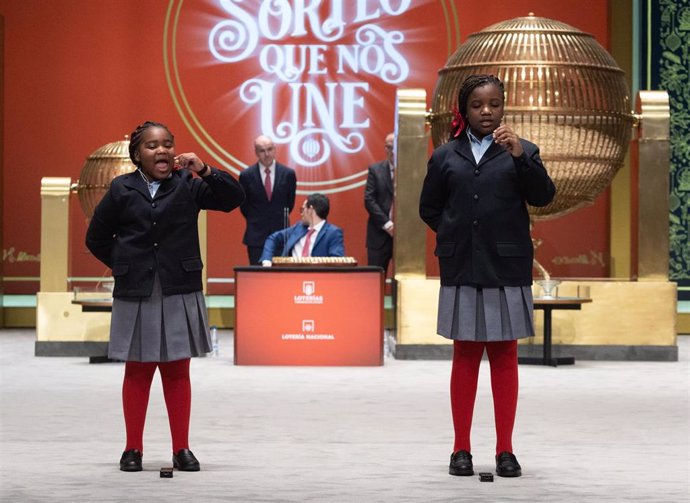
{"x":594,"y":431}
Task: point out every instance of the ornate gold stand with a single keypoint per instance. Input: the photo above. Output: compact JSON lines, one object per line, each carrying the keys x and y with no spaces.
{"x":62,"y":329}
{"x":627,"y":320}
{"x":57,"y":319}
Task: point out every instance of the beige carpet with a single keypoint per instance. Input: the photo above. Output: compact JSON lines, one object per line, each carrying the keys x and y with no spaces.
{"x":592,"y":432}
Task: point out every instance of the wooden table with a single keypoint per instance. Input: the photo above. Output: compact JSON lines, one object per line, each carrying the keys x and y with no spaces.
{"x":548,"y":305}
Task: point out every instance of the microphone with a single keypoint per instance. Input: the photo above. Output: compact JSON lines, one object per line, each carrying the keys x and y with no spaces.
{"x":286,"y":225}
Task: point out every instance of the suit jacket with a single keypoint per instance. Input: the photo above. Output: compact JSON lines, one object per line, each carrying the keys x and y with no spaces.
{"x":329,"y":242}
{"x":264,"y":216}
{"x":137,"y":235}
{"x":378,"y":200}
{"x":479,"y":212}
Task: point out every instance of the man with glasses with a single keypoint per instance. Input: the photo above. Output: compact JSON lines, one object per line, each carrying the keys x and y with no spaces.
{"x":378,"y":200}
{"x":312,"y":236}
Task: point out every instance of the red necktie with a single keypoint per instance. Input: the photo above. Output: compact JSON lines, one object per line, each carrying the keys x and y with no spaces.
{"x":267,"y":184}
{"x":307,"y":243}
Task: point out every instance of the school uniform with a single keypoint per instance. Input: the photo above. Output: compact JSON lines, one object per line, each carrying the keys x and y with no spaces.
{"x":151,"y":243}
{"x":475,"y":197}
{"x":478,"y":210}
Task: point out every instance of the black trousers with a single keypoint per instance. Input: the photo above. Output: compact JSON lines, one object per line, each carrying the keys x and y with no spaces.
{"x":254,"y":254}
{"x":380,"y":257}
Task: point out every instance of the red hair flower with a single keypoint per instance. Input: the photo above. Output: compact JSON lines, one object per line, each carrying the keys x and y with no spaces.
{"x":458,"y":123}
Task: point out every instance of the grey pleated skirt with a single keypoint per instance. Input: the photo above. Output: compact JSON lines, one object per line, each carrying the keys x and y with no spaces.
{"x":466,"y":313}
{"x":159,"y":328}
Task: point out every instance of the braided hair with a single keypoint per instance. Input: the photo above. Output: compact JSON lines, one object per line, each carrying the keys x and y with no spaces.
{"x":136,"y":138}
{"x":470,"y":84}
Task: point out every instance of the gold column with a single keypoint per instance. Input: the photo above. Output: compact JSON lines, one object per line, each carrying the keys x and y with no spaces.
{"x":409,"y":242}
{"x":416,"y":296}
{"x":650,"y":226}
{"x":203,"y":246}
{"x":54,"y":233}
{"x":621,"y":33}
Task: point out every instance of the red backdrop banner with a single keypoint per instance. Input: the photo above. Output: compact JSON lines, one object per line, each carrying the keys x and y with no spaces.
{"x":319,"y":77}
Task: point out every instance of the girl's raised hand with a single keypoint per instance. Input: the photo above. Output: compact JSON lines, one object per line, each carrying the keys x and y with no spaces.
{"x":506,"y":138}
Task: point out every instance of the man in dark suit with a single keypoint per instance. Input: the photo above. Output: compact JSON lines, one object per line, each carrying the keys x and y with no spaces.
{"x":270,"y":196}
{"x":313,"y":236}
{"x":378,"y":200}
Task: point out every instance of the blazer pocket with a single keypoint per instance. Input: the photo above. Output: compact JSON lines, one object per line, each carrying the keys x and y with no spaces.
{"x":445,"y":249}
{"x":120,"y":269}
{"x":192,"y":264}
{"x":510,"y":250}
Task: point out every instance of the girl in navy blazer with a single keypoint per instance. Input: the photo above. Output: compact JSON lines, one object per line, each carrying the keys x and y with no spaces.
{"x":145,"y":230}
{"x":475,"y":198}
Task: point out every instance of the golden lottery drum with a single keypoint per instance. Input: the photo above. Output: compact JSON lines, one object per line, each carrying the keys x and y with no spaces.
{"x":564,"y":92}
{"x":100,"y":168}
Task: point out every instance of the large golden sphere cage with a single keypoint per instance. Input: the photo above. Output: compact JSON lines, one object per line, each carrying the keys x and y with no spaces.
{"x":100,"y":168}
{"x":564,"y":92}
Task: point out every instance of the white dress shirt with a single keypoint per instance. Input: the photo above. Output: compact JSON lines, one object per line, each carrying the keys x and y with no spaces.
{"x":297,"y":249}
{"x":272,"y":169}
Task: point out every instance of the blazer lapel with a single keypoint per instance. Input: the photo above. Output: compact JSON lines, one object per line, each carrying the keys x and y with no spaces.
{"x":320,"y":236}
{"x":278,"y":178}
{"x":136,"y":182}
{"x":494,"y":150}
{"x":386,"y":172}
{"x":462,"y":147}
{"x":167,"y":186}
{"x":298,"y":231}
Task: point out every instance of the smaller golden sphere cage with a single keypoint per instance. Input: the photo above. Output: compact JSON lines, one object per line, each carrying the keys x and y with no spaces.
{"x":564,"y":92}
{"x":100,"y":168}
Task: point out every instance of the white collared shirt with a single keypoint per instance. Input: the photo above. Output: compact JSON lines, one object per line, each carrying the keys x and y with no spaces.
{"x":297,"y":249}
{"x":479,"y":147}
{"x":272,"y":169}
{"x":153,"y":187}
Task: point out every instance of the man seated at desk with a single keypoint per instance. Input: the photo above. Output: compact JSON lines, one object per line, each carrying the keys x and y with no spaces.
{"x":313,"y":236}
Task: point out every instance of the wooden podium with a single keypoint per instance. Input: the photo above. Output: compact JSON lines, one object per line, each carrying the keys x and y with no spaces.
{"x":309,"y":315}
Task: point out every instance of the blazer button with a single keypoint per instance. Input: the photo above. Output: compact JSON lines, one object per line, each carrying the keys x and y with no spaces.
{"x":476,"y":197}
{"x":153,"y":205}
{"x":476,"y":172}
{"x":155,"y":223}
{"x":155,"y":245}
{"x":475,"y":223}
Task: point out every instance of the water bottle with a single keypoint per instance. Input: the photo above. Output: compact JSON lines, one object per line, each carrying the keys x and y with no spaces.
{"x":214,"y":341}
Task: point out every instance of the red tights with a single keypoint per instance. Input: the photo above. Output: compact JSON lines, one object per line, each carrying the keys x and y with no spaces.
{"x":177,"y":391}
{"x":467,"y":356}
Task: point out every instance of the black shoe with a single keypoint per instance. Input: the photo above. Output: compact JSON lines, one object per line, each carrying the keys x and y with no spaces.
{"x":507,"y":465}
{"x":185,"y":461}
{"x":131,"y":461}
{"x":461,"y":464}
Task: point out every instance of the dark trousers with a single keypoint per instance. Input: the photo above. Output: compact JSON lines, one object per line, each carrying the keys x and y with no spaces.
{"x":254,"y":254}
{"x":380,"y":257}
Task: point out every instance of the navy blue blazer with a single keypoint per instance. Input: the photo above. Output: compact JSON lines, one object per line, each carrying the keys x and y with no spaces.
{"x":329,"y":242}
{"x":479,"y":212}
{"x":137,"y":235}
{"x":378,"y":200}
{"x":264,"y":216}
